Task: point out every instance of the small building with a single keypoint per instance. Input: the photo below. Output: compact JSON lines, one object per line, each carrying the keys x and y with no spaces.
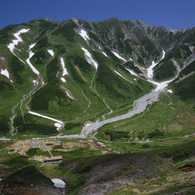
{"x":53,"y":159}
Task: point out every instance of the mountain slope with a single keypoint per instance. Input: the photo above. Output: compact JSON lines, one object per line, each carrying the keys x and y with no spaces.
{"x":74,"y":71}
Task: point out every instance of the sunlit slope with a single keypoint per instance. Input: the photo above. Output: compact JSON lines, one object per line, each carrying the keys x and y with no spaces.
{"x":77,"y":70}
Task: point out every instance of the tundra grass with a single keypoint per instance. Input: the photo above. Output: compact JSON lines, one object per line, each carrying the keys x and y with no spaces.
{"x":169,"y":117}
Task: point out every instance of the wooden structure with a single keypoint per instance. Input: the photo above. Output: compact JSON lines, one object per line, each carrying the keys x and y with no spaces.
{"x":53,"y":159}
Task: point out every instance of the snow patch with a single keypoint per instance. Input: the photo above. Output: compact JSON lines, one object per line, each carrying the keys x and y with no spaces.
{"x":58,"y":125}
{"x":89,"y":58}
{"x":58,"y":183}
{"x":68,"y":94}
{"x":35,"y":82}
{"x":51,"y":52}
{"x":28,"y":60}
{"x":150,"y":69}
{"x":65,"y":72}
{"x":83,"y":34}
{"x":169,"y":90}
{"x":32,"y":45}
{"x":63,"y":79}
{"x":18,"y":39}
{"x":104,"y":54}
{"x":118,"y":56}
{"x":6,"y":73}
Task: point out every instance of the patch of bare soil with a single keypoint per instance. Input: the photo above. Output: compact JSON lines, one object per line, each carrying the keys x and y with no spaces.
{"x":81,"y":74}
{"x":188,"y":169}
{"x":34,"y":191}
{"x":122,"y":171}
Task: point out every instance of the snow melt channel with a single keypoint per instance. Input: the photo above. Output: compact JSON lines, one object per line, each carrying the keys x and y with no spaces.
{"x":15,"y":42}
{"x":89,"y":58}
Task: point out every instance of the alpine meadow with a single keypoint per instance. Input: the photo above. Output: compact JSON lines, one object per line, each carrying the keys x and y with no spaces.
{"x":115,"y":99}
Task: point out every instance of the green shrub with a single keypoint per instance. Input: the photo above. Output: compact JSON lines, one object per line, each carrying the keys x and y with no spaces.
{"x":155,"y":134}
{"x":69,"y":126}
{"x":165,"y":70}
{"x":66,"y":30}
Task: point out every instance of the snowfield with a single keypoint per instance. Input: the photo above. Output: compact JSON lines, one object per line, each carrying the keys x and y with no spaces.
{"x":51,"y":52}
{"x":6,"y":73}
{"x":18,"y":39}
{"x":58,"y":125}
{"x":89,"y":58}
{"x":28,"y":60}
{"x":58,"y":183}
{"x":65,"y":72}
{"x":63,"y":79}
{"x":150,"y":69}
{"x":169,"y":90}
{"x":83,"y":34}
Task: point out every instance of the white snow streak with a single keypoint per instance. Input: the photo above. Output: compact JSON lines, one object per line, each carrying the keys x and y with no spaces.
{"x":65,"y":72}
{"x":83,"y":34}
{"x":28,"y":60}
{"x":118,"y":56}
{"x":104,"y":54}
{"x":6,"y":73}
{"x":63,"y":79}
{"x":131,"y":72}
{"x":68,"y":94}
{"x":58,"y":183}
{"x":150,"y":69}
{"x":18,"y":39}
{"x":51,"y":52}
{"x":121,"y":75}
{"x":89,"y":58}
{"x":47,"y":117}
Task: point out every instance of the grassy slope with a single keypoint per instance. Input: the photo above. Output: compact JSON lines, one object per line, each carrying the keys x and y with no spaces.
{"x":169,"y":117}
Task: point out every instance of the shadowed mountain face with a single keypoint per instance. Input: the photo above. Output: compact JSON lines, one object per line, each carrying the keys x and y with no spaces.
{"x":77,"y":71}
